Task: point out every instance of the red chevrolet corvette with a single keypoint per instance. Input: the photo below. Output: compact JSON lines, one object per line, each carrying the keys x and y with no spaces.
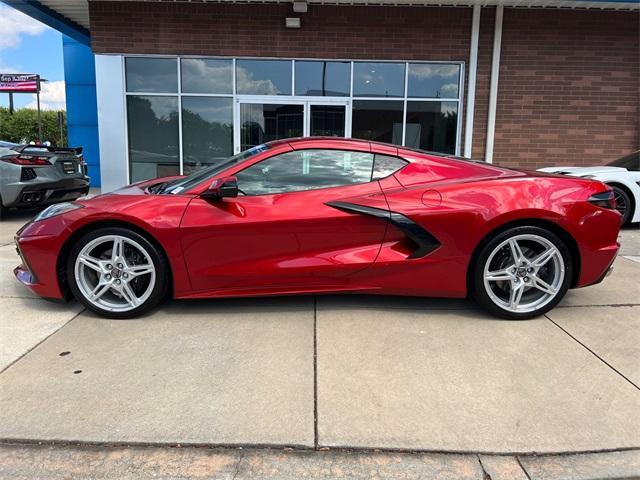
{"x":320,"y":215}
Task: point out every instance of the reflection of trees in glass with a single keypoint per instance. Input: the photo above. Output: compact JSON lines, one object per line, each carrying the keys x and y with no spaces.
{"x":432,"y":126}
{"x":260,"y":123}
{"x":205,"y":142}
{"x":152,"y":133}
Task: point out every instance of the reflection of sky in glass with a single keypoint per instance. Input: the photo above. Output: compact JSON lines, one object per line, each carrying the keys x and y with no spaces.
{"x":153,"y":75}
{"x":207,"y":132}
{"x":212,"y":110}
{"x":378,"y":79}
{"x":309,"y":76}
{"x":163,"y":107}
{"x":263,"y":77}
{"x":201,"y":75}
{"x":433,"y":80}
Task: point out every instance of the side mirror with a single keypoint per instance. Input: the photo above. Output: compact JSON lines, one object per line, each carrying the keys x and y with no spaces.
{"x":226,"y":187}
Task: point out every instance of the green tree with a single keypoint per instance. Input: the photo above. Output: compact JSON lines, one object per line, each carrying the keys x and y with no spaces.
{"x":22,"y":126}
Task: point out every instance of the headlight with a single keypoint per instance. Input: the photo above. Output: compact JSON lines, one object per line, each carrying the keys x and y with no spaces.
{"x":57,"y":209}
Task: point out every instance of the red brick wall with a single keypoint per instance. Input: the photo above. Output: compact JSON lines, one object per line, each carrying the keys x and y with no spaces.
{"x":385,"y":33}
{"x":568,"y":90}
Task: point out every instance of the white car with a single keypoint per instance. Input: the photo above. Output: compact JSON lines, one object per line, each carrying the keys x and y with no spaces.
{"x":622,"y":175}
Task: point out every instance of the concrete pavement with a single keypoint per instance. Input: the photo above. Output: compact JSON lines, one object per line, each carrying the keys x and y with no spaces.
{"x":461,"y":381}
{"x":223,"y":373}
{"x":350,"y":371}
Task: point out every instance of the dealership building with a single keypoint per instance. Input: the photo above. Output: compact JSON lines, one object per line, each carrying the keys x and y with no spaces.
{"x":171,"y":86}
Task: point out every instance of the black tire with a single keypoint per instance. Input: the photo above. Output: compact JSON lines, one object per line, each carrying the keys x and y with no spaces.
{"x":158,"y":258}
{"x":3,"y":210}
{"x":623,"y":204}
{"x":479,"y":291}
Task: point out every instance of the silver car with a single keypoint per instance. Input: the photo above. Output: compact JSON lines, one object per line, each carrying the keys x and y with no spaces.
{"x":35,"y":175}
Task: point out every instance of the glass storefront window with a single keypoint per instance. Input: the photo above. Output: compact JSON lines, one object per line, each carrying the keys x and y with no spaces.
{"x":261,"y":123}
{"x":152,"y":123}
{"x":432,"y":126}
{"x":204,"y":75}
{"x":207,"y":131}
{"x":433,"y":80}
{"x":323,"y":79}
{"x":151,"y":75}
{"x":378,"y":79}
{"x":263,"y":77}
{"x":413,"y":103}
{"x":327,"y":120}
{"x":379,"y":120}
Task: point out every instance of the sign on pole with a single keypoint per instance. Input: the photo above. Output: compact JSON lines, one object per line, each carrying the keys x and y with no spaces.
{"x":19,"y":83}
{"x":22,"y":83}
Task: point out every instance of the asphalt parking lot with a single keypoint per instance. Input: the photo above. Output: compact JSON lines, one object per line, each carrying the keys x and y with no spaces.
{"x":359,"y":372}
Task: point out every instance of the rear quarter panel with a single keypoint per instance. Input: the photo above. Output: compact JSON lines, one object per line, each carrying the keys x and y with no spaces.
{"x":461,"y":214}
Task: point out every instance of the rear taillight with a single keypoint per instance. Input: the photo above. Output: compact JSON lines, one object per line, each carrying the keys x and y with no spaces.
{"x":30,"y":160}
{"x":603,"y":200}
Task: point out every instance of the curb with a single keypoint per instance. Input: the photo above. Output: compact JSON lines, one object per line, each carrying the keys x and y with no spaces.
{"x":28,"y":460}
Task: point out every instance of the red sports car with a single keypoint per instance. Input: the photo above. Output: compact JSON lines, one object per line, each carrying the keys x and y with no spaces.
{"x":320,"y":215}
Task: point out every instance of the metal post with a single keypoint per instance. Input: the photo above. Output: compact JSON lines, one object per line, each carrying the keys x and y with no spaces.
{"x":11,"y":103}
{"x":493,"y":87}
{"x":471,"y":89}
{"x":61,"y":126}
{"x":39,"y":117}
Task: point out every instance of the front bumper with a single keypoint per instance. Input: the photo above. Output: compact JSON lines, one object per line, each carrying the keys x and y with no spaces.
{"x":38,"y":270}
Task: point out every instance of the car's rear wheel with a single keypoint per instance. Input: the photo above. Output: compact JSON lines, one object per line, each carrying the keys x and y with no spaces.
{"x":521,"y":273}
{"x":117,"y":272}
{"x":623,"y":203}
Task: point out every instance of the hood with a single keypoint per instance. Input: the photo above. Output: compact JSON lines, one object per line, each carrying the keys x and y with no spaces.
{"x":582,"y":171}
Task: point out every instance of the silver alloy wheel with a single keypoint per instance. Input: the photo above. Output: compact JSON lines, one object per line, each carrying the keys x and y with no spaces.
{"x":115,"y":273}
{"x":524,"y":273}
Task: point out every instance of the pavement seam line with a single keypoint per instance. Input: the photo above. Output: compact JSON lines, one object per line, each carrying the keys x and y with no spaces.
{"x":613,"y":305}
{"x":485,"y":474}
{"x":41,"y":342}
{"x":592,"y":352}
{"x":522,"y":467}
{"x":315,"y":372}
{"x":299,"y":448}
{"x":236,"y":469}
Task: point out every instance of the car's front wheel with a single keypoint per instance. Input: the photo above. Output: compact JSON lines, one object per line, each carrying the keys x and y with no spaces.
{"x":521,"y":273}
{"x":117,"y":272}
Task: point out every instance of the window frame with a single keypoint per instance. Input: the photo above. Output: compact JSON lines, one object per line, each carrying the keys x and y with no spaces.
{"x":238,"y":98}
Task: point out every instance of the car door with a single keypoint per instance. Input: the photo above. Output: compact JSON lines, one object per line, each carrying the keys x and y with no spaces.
{"x":280,"y":230}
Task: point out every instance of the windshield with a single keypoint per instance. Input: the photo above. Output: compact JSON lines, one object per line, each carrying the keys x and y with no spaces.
{"x":631,"y":162}
{"x":200,"y":176}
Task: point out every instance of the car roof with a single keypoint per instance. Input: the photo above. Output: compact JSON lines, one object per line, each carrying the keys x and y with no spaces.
{"x":423,"y":154}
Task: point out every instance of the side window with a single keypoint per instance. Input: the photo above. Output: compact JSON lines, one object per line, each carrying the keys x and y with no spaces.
{"x":306,"y":170}
{"x":385,"y":166}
